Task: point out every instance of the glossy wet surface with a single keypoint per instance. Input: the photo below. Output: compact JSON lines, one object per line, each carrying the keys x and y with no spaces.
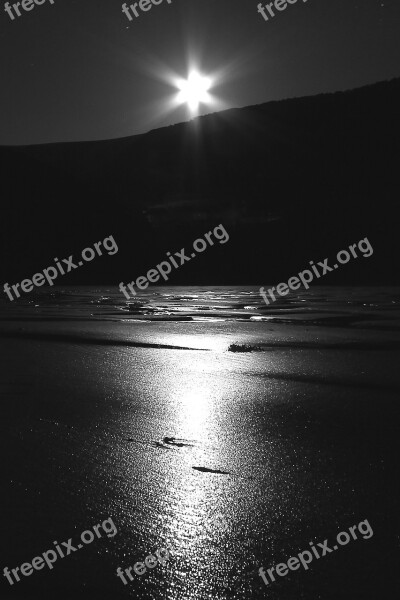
{"x":231,"y":460}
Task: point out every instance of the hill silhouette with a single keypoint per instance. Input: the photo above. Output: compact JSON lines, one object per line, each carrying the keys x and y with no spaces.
{"x":291,"y":181}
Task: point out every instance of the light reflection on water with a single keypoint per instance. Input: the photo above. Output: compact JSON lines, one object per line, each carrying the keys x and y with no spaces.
{"x":255,"y":415}
{"x":194,"y":520}
{"x":210,"y":419}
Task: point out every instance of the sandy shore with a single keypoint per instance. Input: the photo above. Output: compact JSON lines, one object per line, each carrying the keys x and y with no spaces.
{"x":231,"y":460}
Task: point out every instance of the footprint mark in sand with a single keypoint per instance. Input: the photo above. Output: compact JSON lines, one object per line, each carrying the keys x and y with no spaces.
{"x":171,"y":443}
{"x":206,"y":470}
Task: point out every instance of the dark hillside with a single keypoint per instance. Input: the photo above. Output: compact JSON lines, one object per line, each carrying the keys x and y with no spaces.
{"x":291,"y":181}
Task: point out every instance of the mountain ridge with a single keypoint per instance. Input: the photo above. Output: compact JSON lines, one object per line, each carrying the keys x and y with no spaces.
{"x":311,"y":173}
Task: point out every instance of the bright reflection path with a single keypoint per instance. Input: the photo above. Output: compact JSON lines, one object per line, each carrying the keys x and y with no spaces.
{"x":94,"y":430}
{"x":195,"y":410}
{"x":192,"y":408}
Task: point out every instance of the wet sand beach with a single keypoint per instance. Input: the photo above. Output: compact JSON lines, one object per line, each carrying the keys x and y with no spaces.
{"x":231,"y":460}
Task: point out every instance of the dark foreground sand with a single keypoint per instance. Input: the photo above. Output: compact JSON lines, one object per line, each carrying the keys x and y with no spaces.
{"x":303,"y":441}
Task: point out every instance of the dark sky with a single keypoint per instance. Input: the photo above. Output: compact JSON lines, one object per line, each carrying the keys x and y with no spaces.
{"x":80,"y":70}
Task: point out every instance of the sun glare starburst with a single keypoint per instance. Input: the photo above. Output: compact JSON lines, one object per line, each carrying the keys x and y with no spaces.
{"x":193,"y":91}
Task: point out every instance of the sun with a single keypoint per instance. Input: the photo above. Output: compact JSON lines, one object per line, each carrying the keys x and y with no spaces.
{"x":194,"y":91}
